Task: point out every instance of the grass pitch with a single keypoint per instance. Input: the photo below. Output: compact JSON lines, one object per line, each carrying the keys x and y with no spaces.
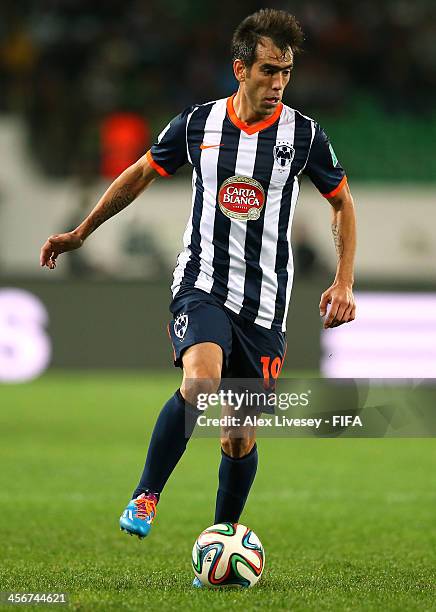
{"x":346,"y":524}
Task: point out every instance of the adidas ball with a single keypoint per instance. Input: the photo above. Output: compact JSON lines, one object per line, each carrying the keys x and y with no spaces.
{"x":228,"y":554}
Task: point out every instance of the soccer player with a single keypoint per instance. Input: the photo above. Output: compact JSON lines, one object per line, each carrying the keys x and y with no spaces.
{"x":233,"y":278}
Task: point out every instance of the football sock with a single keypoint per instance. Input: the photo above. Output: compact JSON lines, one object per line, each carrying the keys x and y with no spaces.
{"x":235,"y":479}
{"x":167,"y":444}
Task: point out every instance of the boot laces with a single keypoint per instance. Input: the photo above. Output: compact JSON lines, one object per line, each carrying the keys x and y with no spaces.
{"x":145,"y":507}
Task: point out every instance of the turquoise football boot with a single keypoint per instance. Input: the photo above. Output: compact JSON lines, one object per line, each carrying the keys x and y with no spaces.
{"x":139,"y":515}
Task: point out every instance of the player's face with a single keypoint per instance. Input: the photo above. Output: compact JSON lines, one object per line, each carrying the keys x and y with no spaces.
{"x":267,"y":78}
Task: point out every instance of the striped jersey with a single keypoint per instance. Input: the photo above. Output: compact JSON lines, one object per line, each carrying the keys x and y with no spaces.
{"x":245,"y":185}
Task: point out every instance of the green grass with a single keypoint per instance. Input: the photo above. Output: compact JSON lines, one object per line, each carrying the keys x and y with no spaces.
{"x":347,"y":524}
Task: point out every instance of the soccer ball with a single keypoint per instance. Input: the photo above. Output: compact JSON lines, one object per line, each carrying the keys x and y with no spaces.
{"x":228,"y":554}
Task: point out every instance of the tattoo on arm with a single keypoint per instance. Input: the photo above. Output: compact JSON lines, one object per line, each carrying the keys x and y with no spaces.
{"x":120,"y":199}
{"x":337,"y":238}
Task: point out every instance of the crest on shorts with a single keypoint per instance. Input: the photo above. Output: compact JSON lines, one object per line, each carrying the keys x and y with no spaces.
{"x":181,"y":325}
{"x":283,"y":154}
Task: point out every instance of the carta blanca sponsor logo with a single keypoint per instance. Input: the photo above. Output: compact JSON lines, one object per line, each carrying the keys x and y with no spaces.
{"x":241,"y":197}
{"x":250,"y":399}
{"x":235,"y":195}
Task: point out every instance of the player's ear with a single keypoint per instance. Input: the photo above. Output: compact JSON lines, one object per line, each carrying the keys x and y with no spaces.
{"x":239,"y":70}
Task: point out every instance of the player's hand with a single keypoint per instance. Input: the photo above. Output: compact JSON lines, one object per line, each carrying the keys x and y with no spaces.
{"x":342,"y":305}
{"x":57,"y":244}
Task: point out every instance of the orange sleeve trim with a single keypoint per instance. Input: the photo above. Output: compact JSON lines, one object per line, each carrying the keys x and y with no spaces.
{"x":336,"y":190}
{"x":254,"y":127}
{"x":155,"y":165}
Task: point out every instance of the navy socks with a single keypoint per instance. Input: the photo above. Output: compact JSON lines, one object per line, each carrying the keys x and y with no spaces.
{"x":170,"y":436}
{"x":235,"y":479}
{"x":168,"y":443}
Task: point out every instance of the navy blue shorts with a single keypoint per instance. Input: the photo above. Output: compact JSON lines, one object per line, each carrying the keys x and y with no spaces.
{"x":250,"y":351}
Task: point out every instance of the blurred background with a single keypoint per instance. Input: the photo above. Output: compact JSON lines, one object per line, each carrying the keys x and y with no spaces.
{"x":84,"y":90}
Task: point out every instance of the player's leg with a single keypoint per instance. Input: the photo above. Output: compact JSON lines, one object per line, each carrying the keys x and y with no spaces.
{"x":202,"y":365}
{"x":172,"y":431}
{"x":237,"y":470}
{"x":253,"y":347}
{"x":198,"y":345}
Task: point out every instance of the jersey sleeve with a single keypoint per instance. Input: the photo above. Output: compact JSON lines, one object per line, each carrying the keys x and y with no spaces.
{"x":169,"y":152}
{"x":323,"y":167}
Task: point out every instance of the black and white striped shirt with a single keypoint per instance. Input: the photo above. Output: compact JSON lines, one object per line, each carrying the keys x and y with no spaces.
{"x":245,"y":184}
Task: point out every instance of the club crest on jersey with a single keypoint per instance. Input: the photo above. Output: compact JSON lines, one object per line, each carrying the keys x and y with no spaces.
{"x":181,"y":325}
{"x":241,"y":198}
{"x":283,"y":154}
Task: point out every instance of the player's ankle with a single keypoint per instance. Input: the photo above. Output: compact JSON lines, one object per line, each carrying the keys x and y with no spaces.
{"x":147,"y":493}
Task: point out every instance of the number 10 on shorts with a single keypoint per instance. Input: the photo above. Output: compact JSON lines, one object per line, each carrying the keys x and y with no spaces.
{"x":270,"y":368}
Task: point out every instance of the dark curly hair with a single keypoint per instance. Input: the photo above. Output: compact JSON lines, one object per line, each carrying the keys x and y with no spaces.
{"x":282,"y":27}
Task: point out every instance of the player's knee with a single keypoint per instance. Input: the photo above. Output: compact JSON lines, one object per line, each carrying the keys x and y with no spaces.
{"x":237,"y":447}
{"x":204,"y":372}
{"x":199,"y":387}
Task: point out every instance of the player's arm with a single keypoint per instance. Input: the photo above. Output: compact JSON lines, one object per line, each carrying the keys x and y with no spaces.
{"x":340,"y":294}
{"x":329,"y":178}
{"x":122,"y":192}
